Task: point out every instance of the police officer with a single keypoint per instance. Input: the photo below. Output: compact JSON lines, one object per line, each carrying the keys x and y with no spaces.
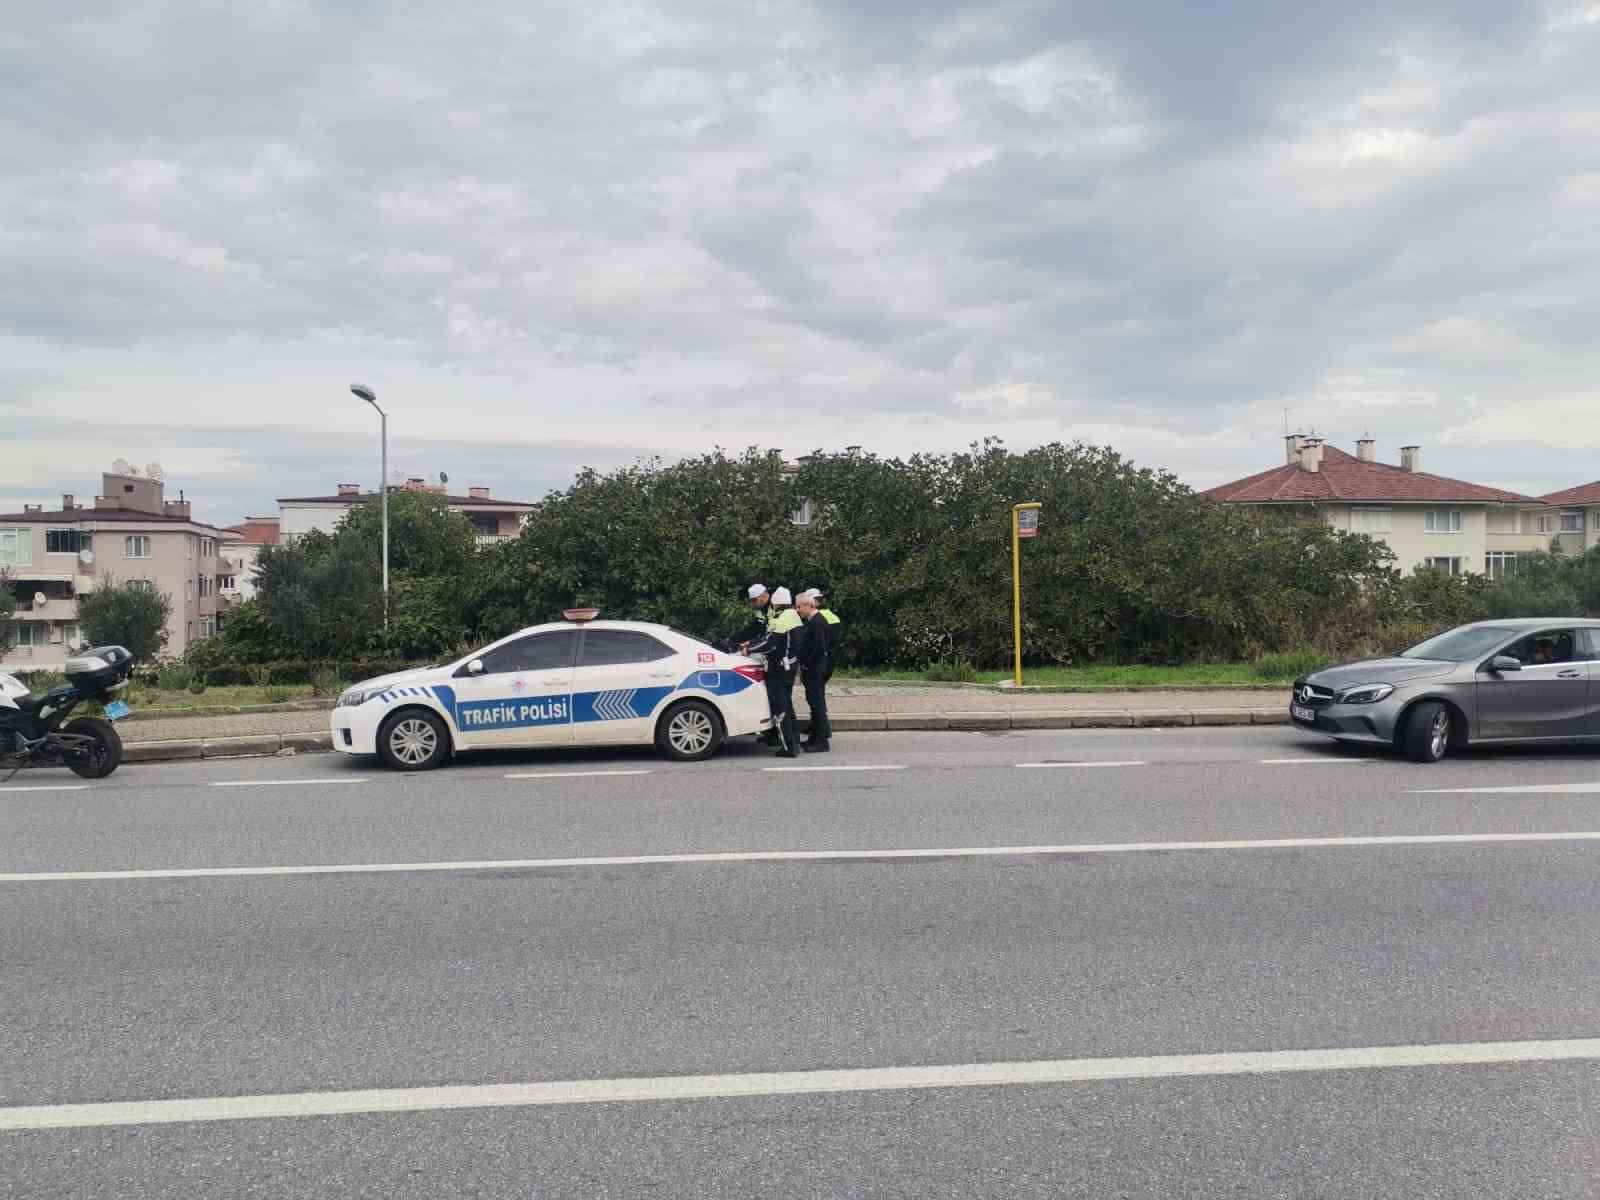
{"x":783,"y":638}
{"x":812,"y":654}
{"x":761,"y":602}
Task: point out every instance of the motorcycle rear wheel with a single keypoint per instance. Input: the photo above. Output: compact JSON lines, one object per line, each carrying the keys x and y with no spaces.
{"x":105,"y":757}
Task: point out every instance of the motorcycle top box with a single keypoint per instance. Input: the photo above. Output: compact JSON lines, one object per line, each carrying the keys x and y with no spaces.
{"x":98,"y":669}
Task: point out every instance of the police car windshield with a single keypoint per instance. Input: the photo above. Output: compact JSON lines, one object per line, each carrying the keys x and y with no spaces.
{"x":1459,"y":645}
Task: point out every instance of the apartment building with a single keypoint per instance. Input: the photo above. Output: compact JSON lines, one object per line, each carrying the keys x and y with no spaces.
{"x":242,"y":543}
{"x":492,"y":520}
{"x":1427,"y":520}
{"x":130,"y":532}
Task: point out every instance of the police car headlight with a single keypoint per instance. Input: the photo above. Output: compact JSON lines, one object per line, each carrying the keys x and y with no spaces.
{"x":1367,"y":693}
{"x":357,"y":696}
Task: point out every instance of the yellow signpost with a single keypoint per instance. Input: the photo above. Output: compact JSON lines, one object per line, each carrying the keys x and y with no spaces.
{"x":1024,"y":524}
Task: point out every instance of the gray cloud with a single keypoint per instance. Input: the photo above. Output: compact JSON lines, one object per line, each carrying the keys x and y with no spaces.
{"x":544,"y":226}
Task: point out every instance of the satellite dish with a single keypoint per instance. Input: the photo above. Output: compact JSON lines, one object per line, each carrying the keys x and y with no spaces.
{"x":122,"y":467}
{"x":154,"y":471}
{"x":86,"y":557}
{"x":443,"y":478}
{"x":40,"y":599}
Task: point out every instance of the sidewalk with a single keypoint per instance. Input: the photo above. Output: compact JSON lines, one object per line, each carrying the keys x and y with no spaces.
{"x":855,"y":708}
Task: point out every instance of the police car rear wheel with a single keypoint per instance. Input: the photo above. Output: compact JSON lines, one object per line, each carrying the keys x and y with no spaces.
{"x":690,"y":732}
{"x":413,"y":741}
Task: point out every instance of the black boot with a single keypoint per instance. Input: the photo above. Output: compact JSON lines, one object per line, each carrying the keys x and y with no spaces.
{"x":815,"y":747}
{"x":788,"y":754}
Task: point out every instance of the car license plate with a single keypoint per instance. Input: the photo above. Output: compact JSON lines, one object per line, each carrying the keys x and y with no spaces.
{"x":1301,"y":713}
{"x":117,"y":709}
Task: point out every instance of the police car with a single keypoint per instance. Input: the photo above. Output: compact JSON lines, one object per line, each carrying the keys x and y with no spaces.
{"x":578,"y":682}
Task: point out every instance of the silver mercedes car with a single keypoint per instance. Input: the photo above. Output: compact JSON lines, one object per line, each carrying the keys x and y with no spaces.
{"x":1521,"y":680}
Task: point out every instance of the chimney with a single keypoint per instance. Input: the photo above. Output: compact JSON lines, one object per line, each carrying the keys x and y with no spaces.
{"x":175,"y":508}
{"x":1367,"y":449}
{"x":1311,"y":455}
{"x":68,"y":502}
{"x":32,"y":508}
{"x":1411,"y":458}
{"x":1292,"y":445}
{"x":349,"y":489}
{"x":478,"y":493}
{"x":852,"y":451}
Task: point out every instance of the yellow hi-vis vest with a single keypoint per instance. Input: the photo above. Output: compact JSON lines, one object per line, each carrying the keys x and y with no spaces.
{"x":828,"y":616}
{"x":786,"y":620}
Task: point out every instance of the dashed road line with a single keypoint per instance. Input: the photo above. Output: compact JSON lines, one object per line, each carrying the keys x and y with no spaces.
{"x":1321,"y":762}
{"x":1039,"y":766}
{"x":859,"y":767}
{"x":48,"y":787}
{"x":570,"y":774}
{"x":787,"y":1083}
{"x":279,"y":782}
{"x":760,"y":856}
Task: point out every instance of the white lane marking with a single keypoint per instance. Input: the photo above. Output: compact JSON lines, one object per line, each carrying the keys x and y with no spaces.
{"x":1570,"y":789}
{"x":860,"y":767}
{"x":786,"y":1083}
{"x":750,"y":856}
{"x":278,"y":782}
{"x":1337,"y":762}
{"x":1130,"y":762}
{"x":571,"y":774}
{"x":46,"y":787}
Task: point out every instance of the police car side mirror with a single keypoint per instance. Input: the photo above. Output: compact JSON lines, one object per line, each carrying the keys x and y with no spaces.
{"x":475,"y":667}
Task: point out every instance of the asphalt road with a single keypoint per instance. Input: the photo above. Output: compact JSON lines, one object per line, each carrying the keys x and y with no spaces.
{"x":1103,"y":931}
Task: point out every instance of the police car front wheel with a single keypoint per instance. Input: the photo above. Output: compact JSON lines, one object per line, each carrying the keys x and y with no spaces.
{"x":413,"y":740}
{"x":691,"y":731}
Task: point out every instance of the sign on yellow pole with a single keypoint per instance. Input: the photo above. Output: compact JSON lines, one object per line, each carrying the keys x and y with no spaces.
{"x":1024,"y":524}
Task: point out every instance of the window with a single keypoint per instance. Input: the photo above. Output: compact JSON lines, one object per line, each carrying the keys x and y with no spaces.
{"x":610,"y":647}
{"x":71,"y":635}
{"x":207,"y":628}
{"x":188,"y":589}
{"x":537,"y":652}
{"x":65,"y":541}
{"x":225,"y":583}
{"x":1447,"y":566}
{"x":1500,"y":563}
{"x":485,"y":524}
{"x":136,"y":546}
{"x":1370,"y":520}
{"x":804,"y":514}
{"x":1547,"y":523}
{"x":16,"y":547}
{"x":1572,"y":522}
{"x":142,"y":583}
{"x":1546,"y":646}
{"x":1442,"y":520}
{"x":32,"y":633}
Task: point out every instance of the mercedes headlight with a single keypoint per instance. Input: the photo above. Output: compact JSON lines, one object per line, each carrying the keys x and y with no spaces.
{"x":1367,"y":693}
{"x":357,"y":695}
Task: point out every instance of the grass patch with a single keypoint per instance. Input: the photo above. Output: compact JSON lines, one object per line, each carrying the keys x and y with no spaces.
{"x":1280,"y":669}
{"x":142,"y":697}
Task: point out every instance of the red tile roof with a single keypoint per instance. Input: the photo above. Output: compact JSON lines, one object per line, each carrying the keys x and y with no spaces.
{"x":256,"y":531}
{"x":1345,"y":477}
{"x":1584,"y":493}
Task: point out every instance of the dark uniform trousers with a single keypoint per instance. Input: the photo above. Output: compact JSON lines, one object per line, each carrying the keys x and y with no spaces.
{"x":780,"y":699}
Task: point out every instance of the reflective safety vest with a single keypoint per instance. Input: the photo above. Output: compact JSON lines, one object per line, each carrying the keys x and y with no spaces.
{"x":828,"y":616}
{"x":786,"y":620}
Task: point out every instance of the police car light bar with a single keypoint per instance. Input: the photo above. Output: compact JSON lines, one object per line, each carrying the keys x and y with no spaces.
{"x":579,"y":615}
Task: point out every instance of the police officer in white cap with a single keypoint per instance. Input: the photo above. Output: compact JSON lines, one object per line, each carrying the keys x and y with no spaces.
{"x":783,"y":633}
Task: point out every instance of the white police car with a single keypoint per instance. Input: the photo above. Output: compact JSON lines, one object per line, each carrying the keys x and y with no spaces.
{"x":580,"y":682}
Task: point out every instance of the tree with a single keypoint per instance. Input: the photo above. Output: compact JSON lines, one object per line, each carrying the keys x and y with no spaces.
{"x":133,"y":615}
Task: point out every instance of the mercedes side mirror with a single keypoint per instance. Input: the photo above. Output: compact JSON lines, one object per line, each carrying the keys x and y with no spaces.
{"x":1504,"y":662}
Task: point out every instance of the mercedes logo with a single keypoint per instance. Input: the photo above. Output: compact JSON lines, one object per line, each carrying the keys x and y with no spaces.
{"x":1306,"y":693}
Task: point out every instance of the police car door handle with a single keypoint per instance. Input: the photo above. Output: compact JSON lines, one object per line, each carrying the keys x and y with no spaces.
{"x":662,"y":674}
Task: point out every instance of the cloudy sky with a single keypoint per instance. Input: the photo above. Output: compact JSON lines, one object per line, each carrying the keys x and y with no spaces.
{"x":552,"y":234}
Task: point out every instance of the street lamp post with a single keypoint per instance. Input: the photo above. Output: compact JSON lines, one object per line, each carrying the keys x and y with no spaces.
{"x":371,"y":397}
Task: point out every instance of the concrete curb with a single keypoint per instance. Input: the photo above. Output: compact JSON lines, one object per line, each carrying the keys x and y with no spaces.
{"x":1065,"y":689}
{"x":260,"y":745}
{"x":228,"y":710}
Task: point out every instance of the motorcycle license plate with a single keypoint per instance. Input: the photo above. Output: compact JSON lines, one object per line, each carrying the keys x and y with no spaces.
{"x":1300,"y":713}
{"x":117,"y":709}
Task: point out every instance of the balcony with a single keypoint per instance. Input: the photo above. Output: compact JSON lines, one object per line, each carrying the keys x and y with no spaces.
{"x":53,"y":608}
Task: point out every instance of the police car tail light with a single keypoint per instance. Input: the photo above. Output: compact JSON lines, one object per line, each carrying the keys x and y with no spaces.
{"x":754,"y":674}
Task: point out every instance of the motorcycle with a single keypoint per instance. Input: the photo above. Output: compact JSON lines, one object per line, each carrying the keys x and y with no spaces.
{"x":35,"y":732}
